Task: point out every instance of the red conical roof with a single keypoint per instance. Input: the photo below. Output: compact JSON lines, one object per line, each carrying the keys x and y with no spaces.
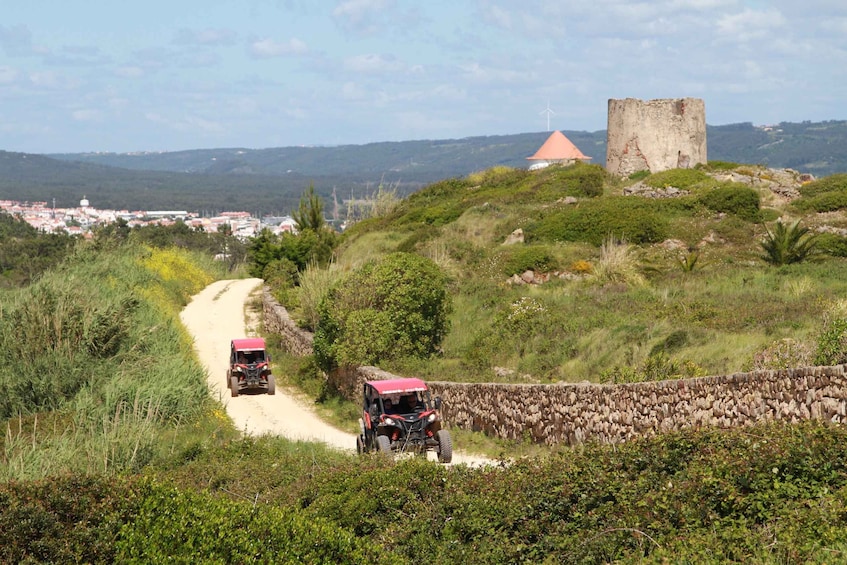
{"x":558,"y":148}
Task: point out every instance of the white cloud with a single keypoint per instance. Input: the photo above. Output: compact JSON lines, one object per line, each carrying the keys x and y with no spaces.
{"x":53,"y":80}
{"x":353,"y":91}
{"x":751,"y":24}
{"x":373,"y":63}
{"x":187,"y":124}
{"x":837,"y":25}
{"x":502,"y":76}
{"x":86,"y":115}
{"x":204,"y":125}
{"x":207,"y":36}
{"x":265,"y":48}
{"x":361,"y":16}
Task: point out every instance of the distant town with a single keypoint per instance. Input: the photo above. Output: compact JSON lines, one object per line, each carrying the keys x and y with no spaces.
{"x":81,"y":219}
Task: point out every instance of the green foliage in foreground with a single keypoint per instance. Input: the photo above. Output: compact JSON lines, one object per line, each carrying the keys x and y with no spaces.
{"x":768,"y":494}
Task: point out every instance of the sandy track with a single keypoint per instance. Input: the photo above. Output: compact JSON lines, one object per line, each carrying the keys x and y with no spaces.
{"x":217,"y":315}
{"x":214,"y":317}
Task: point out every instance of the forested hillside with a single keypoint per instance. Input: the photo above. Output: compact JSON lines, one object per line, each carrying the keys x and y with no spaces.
{"x":270,"y":181}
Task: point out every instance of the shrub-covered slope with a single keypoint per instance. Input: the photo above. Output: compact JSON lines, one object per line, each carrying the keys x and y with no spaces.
{"x":622,"y":285}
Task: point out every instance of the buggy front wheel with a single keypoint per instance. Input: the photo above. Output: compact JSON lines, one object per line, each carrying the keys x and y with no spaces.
{"x":233,"y":386}
{"x":383,"y":444}
{"x":445,"y":446}
{"x":271,"y":385}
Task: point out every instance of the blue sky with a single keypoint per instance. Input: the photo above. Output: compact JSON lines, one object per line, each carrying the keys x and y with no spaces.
{"x":107,"y":75}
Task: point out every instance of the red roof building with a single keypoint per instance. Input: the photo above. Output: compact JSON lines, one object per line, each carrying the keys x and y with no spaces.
{"x":558,"y":149}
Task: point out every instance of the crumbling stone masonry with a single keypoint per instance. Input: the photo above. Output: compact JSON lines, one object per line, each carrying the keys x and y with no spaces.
{"x":576,"y":413}
{"x":655,"y":135}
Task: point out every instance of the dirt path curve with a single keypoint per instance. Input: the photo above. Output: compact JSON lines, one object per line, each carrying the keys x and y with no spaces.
{"x":214,"y":317}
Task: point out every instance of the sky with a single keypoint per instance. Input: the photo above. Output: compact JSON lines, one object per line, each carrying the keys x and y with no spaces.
{"x":123,"y":76}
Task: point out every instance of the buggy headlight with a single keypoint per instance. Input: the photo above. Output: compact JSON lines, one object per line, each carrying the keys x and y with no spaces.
{"x":432,"y":417}
{"x":390,"y":421}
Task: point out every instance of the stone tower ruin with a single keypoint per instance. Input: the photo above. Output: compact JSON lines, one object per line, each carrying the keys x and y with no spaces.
{"x":655,"y":135}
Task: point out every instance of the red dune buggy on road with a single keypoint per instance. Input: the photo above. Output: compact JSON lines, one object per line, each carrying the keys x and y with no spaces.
{"x":249,"y":368}
{"x":398,"y":415}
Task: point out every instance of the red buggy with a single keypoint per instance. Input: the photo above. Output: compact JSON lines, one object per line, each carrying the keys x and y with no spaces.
{"x":249,"y":367}
{"x":398,"y":415}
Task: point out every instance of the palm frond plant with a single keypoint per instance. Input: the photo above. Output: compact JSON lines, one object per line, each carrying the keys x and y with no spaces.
{"x":788,"y":244}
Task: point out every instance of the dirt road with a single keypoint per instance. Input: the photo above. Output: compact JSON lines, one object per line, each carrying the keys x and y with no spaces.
{"x":214,"y":317}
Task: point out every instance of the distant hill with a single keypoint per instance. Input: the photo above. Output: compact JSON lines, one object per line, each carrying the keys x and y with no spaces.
{"x":272,"y":180}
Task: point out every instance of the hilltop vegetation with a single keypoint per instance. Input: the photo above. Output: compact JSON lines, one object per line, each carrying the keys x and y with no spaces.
{"x":114,"y":451}
{"x":713,"y":281}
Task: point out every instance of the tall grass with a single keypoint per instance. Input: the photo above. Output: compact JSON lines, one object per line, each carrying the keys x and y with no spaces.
{"x":315,"y":283}
{"x":100,"y":342}
{"x":618,"y":263}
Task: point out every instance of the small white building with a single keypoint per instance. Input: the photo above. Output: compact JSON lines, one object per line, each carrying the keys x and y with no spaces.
{"x":558,"y":149}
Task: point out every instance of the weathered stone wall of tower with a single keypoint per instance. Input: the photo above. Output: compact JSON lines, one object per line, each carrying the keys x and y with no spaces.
{"x":655,"y":135}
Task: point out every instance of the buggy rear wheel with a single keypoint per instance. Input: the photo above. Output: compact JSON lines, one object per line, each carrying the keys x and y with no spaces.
{"x":271,"y":385}
{"x":445,"y":446}
{"x":233,"y":386}
{"x":383,"y":444}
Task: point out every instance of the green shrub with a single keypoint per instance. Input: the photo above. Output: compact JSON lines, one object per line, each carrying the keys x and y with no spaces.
{"x":520,"y":258}
{"x":717,"y":166}
{"x":403,"y":297}
{"x":66,"y":519}
{"x":633,"y":219}
{"x":832,"y":343}
{"x":832,"y":244}
{"x":832,"y":183}
{"x":579,"y":179}
{"x":639,"y":175}
{"x":733,"y":198}
{"x":657,"y":367}
{"x":496,"y":176}
{"x":823,"y":202}
{"x":679,"y":178}
{"x":281,"y":273}
{"x":307,"y":247}
{"x":174,"y":525}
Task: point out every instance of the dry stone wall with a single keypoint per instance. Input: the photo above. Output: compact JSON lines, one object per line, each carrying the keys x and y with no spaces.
{"x":655,"y":135}
{"x":277,"y":321}
{"x":575,"y":413}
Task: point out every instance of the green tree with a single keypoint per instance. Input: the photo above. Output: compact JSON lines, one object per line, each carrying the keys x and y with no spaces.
{"x":788,"y":244}
{"x":310,"y":215}
{"x":394,"y":307}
